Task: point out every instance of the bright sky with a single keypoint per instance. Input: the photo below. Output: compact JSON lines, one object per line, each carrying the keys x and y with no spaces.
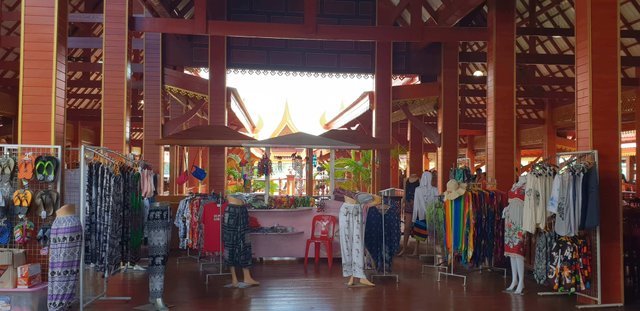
{"x":308,"y":97}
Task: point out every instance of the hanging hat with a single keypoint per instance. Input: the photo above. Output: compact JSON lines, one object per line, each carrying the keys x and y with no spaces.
{"x":349,"y":200}
{"x":363,"y":197}
{"x":454,"y":189}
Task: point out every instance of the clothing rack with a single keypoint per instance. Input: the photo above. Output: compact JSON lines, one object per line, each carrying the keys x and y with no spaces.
{"x":436,"y":265}
{"x":103,"y":153}
{"x":189,"y":255}
{"x":220,"y":256}
{"x":386,"y":193}
{"x":573,"y":157}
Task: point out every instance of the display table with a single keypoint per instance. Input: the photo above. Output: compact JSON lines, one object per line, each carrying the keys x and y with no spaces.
{"x":289,"y":244}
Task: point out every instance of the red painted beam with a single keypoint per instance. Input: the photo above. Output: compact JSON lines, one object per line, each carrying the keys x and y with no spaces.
{"x":301,"y":31}
{"x":415,"y":91}
{"x":311,"y":15}
{"x":549,"y":59}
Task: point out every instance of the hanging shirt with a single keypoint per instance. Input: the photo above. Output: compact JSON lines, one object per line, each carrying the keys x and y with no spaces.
{"x":554,"y":197}
{"x":424,"y":196}
{"x":528,"y":212}
{"x":212,"y":226}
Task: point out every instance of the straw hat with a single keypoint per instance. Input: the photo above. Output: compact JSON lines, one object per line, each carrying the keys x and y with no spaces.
{"x":454,"y":189}
{"x":349,"y":200}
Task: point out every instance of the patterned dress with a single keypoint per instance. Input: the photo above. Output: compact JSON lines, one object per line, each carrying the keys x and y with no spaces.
{"x":513,"y":233}
{"x":158,"y":229}
{"x":64,"y":261}
{"x":352,"y":240}
{"x":235,"y":236}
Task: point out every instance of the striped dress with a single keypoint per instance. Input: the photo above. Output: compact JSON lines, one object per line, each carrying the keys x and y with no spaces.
{"x":64,"y":261}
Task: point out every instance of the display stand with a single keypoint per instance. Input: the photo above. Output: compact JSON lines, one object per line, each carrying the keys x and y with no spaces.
{"x":598,"y":273}
{"x":103,"y":153}
{"x":220,"y":257}
{"x":32,"y":248}
{"x":436,"y":265}
{"x":387,"y":193}
{"x":464,"y":277}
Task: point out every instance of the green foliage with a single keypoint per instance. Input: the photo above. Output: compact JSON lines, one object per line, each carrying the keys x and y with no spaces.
{"x":259,"y":185}
{"x":356,"y":172}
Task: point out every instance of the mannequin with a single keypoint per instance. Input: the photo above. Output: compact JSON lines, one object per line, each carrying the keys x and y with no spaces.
{"x":64,"y":258}
{"x":232,"y":236}
{"x":410,"y":189}
{"x":352,"y":242}
{"x":514,"y":235}
{"x":158,"y":229}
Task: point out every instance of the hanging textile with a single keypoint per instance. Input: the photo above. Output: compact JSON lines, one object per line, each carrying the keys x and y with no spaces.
{"x":570,"y":264}
{"x":213,"y":226}
{"x":235,"y":235}
{"x":575,"y":198}
{"x":351,"y":240}
{"x":374,"y":236}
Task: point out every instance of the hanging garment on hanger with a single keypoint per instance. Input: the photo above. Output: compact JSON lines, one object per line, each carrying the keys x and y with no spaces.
{"x":212,"y":222}
{"x":352,"y":240}
{"x":235,"y":236}
{"x":374,"y":237}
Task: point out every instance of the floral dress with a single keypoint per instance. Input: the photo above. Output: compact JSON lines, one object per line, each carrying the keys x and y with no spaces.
{"x":513,"y":233}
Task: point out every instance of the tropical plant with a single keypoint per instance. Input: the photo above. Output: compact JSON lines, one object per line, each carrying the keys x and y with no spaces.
{"x":356,"y":172}
{"x":258,"y":186}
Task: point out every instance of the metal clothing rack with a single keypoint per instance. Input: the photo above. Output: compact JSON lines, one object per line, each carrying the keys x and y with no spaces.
{"x":220,"y":256}
{"x":436,"y":265}
{"x":574,"y":156}
{"x":386,"y":194}
{"x":463,"y":277}
{"x":102,"y":152}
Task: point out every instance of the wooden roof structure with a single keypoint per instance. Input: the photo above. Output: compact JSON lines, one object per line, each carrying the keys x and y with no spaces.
{"x":206,"y":136}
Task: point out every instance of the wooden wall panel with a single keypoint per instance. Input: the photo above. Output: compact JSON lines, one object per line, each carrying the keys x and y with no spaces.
{"x":415,"y":150}
{"x":501,"y":119}
{"x":598,"y":125}
{"x":116,"y":98}
{"x":448,"y":113}
{"x":43,"y":72}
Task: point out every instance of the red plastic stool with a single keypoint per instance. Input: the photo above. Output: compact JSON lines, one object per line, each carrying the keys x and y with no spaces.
{"x":323,"y":229}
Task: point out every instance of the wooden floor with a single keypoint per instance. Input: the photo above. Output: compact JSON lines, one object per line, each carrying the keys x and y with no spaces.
{"x":286,"y":286}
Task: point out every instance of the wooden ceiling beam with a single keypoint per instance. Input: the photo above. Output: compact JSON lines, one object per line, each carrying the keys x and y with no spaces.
{"x":566,"y":32}
{"x":561,"y":81}
{"x":97,"y":42}
{"x":301,"y":31}
{"x":86,"y":18}
{"x":534,"y":59}
{"x":96,"y":67}
{"x":416,"y":91}
{"x":522,"y":94}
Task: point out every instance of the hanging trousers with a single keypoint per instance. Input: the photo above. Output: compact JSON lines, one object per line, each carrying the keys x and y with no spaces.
{"x":158,"y":229}
{"x":352,"y":240}
{"x":64,"y":261}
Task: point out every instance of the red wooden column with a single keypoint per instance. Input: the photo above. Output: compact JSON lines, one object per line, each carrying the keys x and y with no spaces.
{"x":116,"y":89}
{"x":415,"y":150}
{"x":550,"y":144}
{"x":448,"y":113}
{"x":43,"y":74}
{"x":152,"y":112}
{"x":501,"y":125}
{"x":382,"y":113}
{"x":471,"y":152}
{"x":217,"y":109}
{"x":637,"y":132}
{"x":598,"y":125}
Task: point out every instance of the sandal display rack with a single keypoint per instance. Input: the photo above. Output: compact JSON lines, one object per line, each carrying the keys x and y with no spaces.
{"x":35,"y":252}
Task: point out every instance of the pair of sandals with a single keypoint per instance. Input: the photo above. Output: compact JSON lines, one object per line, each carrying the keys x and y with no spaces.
{"x":47,"y":202}
{"x":25,"y":167}
{"x":22,"y":200}
{"x":44,"y":235}
{"x":7,"y":165}
{"x":23,"y":231}
{"x":5,"y":232}
{"x":46,"y":168}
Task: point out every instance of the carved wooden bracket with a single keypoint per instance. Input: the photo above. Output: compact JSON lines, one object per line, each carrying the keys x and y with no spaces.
{"x":426,"y":130}
{"x":172,"y":125}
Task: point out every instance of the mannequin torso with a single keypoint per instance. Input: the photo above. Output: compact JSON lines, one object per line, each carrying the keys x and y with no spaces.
{"x":66,"y":210}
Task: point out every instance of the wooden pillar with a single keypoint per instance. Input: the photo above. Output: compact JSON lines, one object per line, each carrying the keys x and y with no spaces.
{"x":448,"y":113}
{"x":471,"y":152}
{"x":152,"y":113}
{"x":217,"y":109}
{"x":598,"y":125}
{"x":425,"y":161}
{"x":637,"y":112}
{"x":382,"y":113}
{"x":43,"y":74}
{"x":501,"y":127}
{"x":116,"y":92}
{"x":309,"y":173}
{"x":550,"y":144}
{"x":415,"y":151}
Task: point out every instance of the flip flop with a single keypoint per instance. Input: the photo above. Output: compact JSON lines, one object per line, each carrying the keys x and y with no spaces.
{"x":43,"y":235}
{"x":7,"y":164}
{"x":23,"y":232}
{"x":40,"y":168}
{"x":50,"y":202}
{"x":5,"y":232}
{"x":25,"y":167}
{"x":39,"y":202}
{"x":51,"y":168}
